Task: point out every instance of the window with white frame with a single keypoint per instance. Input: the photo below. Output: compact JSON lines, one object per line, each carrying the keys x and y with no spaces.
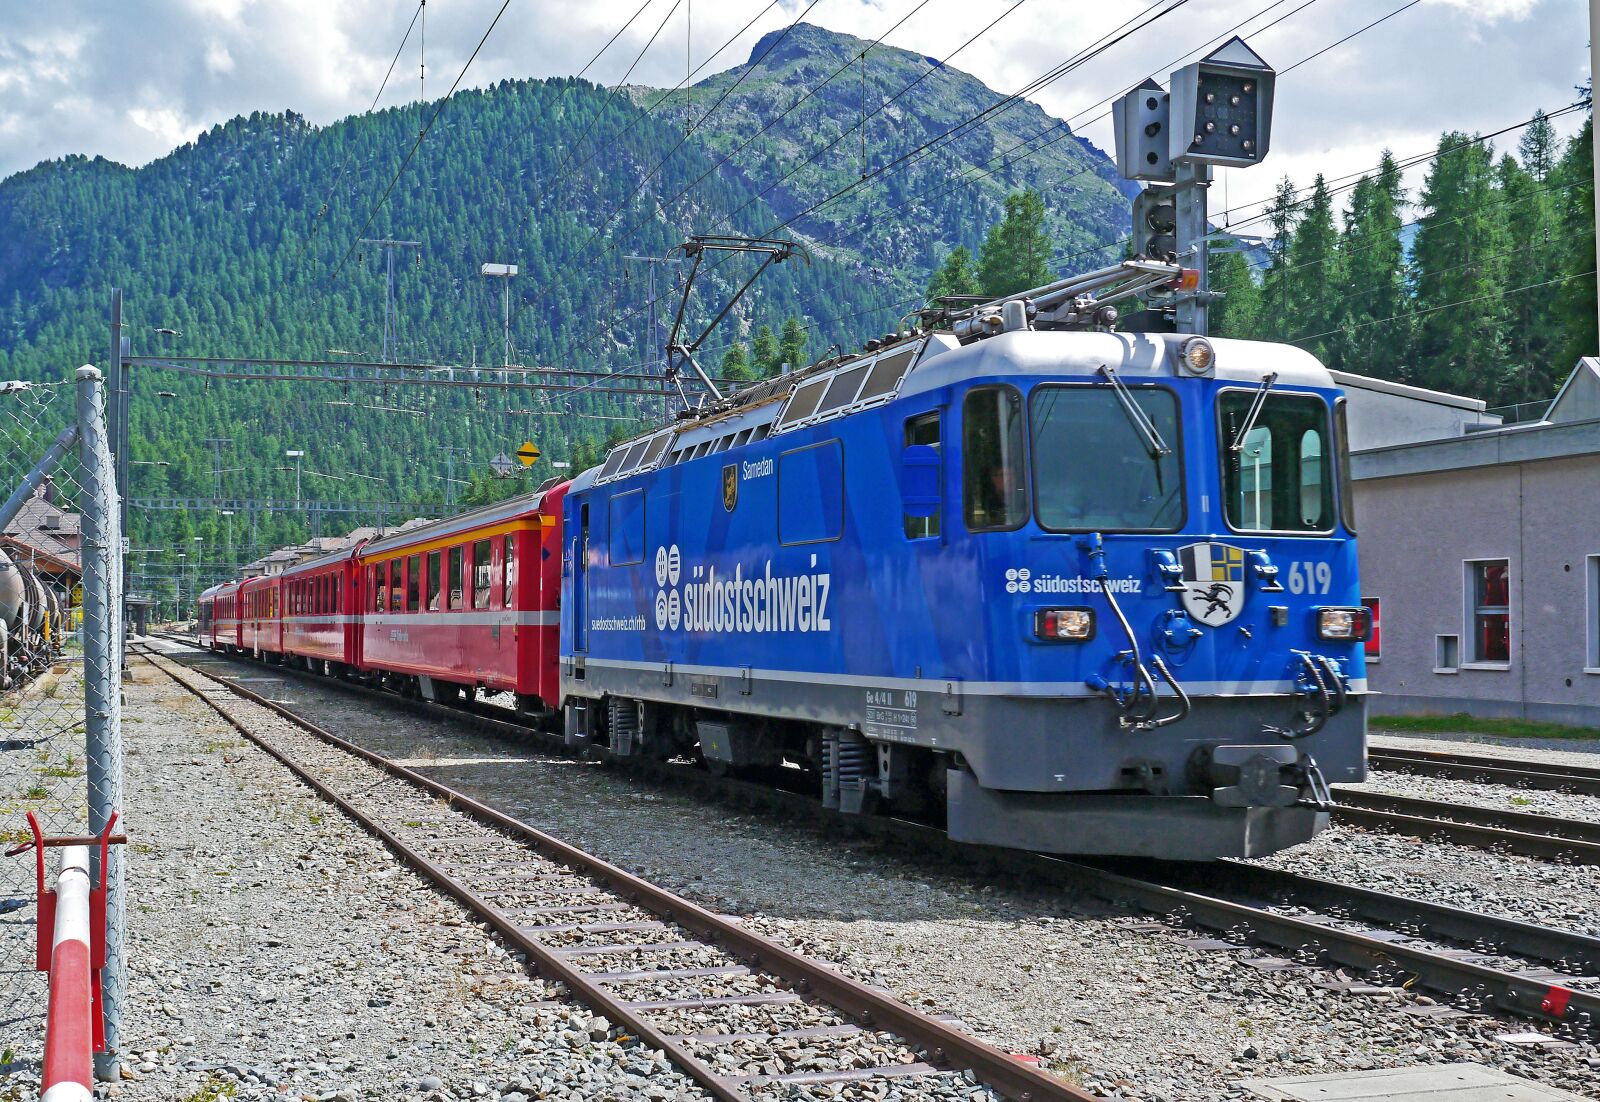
{"x":1591,"y":662}
{"x":1488,"y":585}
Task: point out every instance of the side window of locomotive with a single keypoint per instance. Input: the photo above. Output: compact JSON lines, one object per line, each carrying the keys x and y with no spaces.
{"x":455,"y":577}
{"x":1276,"y":476}
{"x":413,"y":582}
{"x":1341,"y":457}
{"x":511,"y":571}
{"x":811,"y":494}
{"x":994,"y":490}
{"x":922,"y":430}
{"x":380,"y":585}
{"x":435,"y":590}
{"x":482,"y":572}
{"x":627,"y":528}
{"x":1096,"y":467}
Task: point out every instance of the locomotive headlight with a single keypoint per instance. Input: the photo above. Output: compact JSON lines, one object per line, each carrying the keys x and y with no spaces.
{"x":1196,"y":356}
{"x":1064,"y":625}
{"x":1351,"y":624}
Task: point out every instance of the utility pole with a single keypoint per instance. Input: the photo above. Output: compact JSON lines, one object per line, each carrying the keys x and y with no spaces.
{"x":117,"y":431}
{"x":654,"y":351}
{"x":391,"y":316}
{"x":450,"y":452}
{"x":217,"y":443}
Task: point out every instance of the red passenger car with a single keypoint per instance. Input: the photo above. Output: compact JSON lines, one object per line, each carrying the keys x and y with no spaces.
{"x":318,"y":616}
{"x":260,"y":631}
{"x":219,"y":617}
{"x":469,"y":602}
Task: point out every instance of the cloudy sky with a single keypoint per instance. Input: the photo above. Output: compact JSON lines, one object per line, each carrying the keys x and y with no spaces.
{"x":131,"y":80}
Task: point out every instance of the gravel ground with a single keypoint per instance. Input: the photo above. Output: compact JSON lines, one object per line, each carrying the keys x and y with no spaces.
{"x":1568,"y":751}
{"x":278,"y":952}
{"x":1496,"y":797}
{"x":1123,"y":1004}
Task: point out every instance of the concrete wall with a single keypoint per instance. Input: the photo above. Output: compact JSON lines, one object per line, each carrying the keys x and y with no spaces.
{"x":1417,"y":529}
{"x":1383,"y":414}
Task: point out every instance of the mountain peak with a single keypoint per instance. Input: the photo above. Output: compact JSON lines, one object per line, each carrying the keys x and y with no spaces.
{"x":805,"y":40}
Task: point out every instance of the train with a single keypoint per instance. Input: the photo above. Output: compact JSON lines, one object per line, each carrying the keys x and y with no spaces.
{"x":1079,"y":592}
{"x":32,"y":623}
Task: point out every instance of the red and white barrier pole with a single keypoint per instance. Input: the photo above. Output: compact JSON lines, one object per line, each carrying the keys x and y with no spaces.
{"x":69,"y":1035}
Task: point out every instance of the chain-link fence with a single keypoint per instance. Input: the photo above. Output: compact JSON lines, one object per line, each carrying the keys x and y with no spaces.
{"x":60,"y":711}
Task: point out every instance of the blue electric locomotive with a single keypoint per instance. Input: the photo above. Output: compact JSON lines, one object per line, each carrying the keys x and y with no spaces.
{"x":1080,"y":592}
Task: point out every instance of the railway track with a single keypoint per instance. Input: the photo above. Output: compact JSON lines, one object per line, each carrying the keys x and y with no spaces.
{"x":1544,"y":776}
{"x":1540,"y":836}
{"x":717,"y":998}
{"x":1495,"y":963}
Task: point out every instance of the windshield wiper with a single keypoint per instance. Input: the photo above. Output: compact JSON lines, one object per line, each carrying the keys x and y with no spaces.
{"x":1136,"y":416}
{"x":1254,"y":413}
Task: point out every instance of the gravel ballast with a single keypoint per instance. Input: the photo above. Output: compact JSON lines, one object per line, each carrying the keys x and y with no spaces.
{"x":1125,"y":1005}
{"x":279,"y":952}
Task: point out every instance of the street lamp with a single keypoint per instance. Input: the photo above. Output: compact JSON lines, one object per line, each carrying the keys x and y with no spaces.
{"x":296,"y":454}
{"x":177,"y":597}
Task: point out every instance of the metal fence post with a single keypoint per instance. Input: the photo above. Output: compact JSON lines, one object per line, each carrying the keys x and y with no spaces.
{"x":102,"y":601}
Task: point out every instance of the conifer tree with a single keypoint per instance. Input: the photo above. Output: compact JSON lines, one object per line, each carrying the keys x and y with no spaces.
{"x":764,"y":354}
{"x":1376,"y":303}
{"x":1575,"y":293}
{"x":1458,"y":269}
{"x":958,"y":275}
{"x":1236,"y":312}
{"x":1276,"y":298}
{"x":1533,"y":257}
{"x":736,"y":363}
{"x":792,"y":344}
{"x":1016,"y":251}
{"x":1313,"y":276}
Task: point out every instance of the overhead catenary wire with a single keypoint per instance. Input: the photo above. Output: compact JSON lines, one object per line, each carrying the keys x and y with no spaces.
{"x":423,"y":133}
{"x":1054,"y":73}
{"x":1446,"y":306}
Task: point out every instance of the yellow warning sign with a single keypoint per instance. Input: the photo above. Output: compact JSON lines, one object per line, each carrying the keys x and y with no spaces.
{"x":528,"y":455}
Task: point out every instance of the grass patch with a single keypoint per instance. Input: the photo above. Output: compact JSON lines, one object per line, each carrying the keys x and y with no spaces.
{"x":1478,"y":725}
{"x":214,"y":1089}
{"x":37,"y":792}
{"x":67,"y":770}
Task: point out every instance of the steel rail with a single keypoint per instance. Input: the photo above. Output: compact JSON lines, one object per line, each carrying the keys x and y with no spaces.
{"x":946,"y":1047}
{"x":1544,"y":776}
{"x":1542,"y":836}
{"x":1443,"y":971}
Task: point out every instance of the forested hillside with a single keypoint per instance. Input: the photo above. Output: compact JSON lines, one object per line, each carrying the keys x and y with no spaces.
{"x":244,"y":244}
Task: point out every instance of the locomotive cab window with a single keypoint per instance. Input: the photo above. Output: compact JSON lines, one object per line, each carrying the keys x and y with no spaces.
{"x":1100,"y":466}
{"x":1277,"y":470}
{"x":994,"y":488}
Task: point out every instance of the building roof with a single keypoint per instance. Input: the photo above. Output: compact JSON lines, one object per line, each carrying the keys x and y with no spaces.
{"x":1525,"y":443}
{"x":1579,"y":397}
{"x":47,"y":529}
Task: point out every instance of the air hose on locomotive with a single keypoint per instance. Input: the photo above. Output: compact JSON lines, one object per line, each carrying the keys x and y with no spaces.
{"x":1137,"y":706}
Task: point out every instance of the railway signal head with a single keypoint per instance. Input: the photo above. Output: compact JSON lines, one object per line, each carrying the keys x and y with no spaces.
{"x":1155,"y":223}
{"x":1140,"y":121}
{"x":1222,"y":108}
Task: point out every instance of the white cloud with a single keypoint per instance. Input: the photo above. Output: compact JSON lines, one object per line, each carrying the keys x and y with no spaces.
{"x":218,"y":59}
{"x":1473,"y":65}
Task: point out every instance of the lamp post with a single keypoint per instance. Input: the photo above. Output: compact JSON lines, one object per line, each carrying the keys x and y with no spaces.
{"x":199,"y":547}
{"x":296,"y":454}
{"x":228,"y":513}
{"x":177,"y":598}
